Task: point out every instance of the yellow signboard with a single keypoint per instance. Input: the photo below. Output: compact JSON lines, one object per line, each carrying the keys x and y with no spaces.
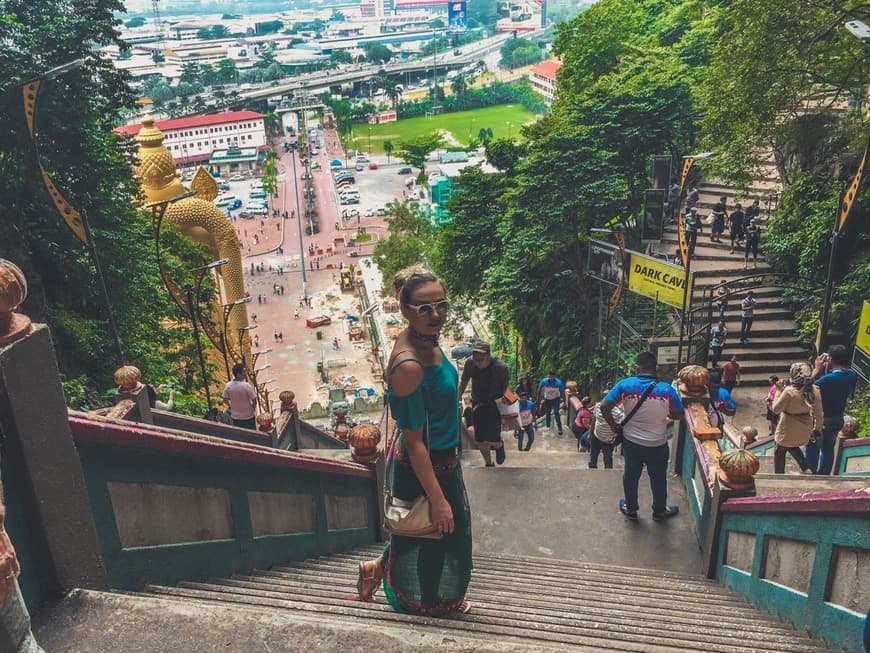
{"x":656,"y":279}
{"x":862,"y":342}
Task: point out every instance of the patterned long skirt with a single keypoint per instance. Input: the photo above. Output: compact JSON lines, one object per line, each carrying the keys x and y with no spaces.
{"x":424,"y":576}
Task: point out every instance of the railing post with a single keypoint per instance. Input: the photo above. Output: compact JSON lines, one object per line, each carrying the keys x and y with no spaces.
{"x":34,"y":423}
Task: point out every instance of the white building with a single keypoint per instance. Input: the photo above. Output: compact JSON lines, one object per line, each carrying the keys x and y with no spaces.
{"x":207,"y":139}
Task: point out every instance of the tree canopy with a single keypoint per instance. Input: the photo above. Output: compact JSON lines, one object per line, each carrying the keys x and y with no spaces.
{"x":92,"y":167}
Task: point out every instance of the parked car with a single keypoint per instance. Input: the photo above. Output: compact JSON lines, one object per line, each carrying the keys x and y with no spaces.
{"x":405,"y":170}
{"x":373,"y":165}
{"x":256,"y":209}
{"x":369,"y":213}
{"x":350,"y":199}
{"x":350,"y":213}
{"x":319,"y":321}
{"x":223,"y":185}
{"x":257,"y":195}
{"x":362,"y":158}
{"x":224,"y":200}
{"x":236,"y":203}
{"x":237,"y":178}
{"x":359,"y":167}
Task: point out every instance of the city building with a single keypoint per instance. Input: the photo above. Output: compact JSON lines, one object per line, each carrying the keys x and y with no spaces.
{"x":542,"y":77}
{"x":232,"y":141}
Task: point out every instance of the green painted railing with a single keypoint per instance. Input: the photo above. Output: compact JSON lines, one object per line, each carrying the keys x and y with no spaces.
{"x":170,"y":505}
{"x":853,"y":457}
{"x":802,"y":558}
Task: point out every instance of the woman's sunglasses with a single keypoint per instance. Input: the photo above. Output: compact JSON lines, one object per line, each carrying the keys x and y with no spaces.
{"x":425,"y":310}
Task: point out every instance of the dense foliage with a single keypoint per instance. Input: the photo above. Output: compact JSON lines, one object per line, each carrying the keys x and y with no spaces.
{"x":93,"y":168}
{"x":648,"y":77}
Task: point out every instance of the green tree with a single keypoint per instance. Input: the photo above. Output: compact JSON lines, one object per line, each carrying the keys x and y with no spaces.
{"x":272,"y":123}
{"x":76,"y":115}
{"x":270,"y":173}
{"x":227,"y":72}
{"x":207,"y":74}
{"x":266,"y":59}
{"x":190,"y":73}
{"x":416,"y":151}
{"x":388,"y":149}
{"x":338,"y":57}
{"x":459,"y":86}
{"x":410,"y":239}
{"x":341,"y":110}
{"x":377,"y":53}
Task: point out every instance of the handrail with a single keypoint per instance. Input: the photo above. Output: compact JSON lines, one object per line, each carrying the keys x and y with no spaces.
{"x":830,"y":502}
{"x":189,"y":424}
{"x":92,"y":428}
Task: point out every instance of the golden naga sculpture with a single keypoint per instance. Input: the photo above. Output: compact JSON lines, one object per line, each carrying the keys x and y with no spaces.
{"x":200,"y":220}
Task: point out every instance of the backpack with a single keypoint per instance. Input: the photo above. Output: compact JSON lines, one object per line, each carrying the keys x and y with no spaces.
{"x":581,"y":413}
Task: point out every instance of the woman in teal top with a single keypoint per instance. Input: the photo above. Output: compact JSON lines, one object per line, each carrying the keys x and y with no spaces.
{"x":424,"y":576}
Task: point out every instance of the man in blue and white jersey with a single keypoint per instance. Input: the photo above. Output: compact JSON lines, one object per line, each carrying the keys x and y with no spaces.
{"x":644,"y":433}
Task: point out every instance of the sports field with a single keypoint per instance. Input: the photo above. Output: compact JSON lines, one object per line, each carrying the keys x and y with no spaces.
{"x":461,"y":127}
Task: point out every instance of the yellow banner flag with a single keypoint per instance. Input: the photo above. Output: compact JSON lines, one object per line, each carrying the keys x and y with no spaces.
{"x":851,"y":193}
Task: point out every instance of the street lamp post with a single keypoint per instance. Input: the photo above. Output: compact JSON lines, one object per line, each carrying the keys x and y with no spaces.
{"x":241,"y":334}
{"x":299,"y":226}
{"x":195,"y":317}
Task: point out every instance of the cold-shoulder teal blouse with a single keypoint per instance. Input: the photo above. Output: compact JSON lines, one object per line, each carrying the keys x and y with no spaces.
{"x":437,"y":396}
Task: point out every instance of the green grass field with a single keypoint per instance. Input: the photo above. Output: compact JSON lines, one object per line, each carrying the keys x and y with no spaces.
{"x":504,"y":120}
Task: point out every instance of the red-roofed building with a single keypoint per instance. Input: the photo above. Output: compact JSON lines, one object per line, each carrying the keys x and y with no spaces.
{"x":193,"y":139}
{"x":542,"y":77}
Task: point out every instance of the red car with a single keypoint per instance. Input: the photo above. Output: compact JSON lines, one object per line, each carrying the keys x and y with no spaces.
{"x":373,"y":165}
{"x":319,"y":321}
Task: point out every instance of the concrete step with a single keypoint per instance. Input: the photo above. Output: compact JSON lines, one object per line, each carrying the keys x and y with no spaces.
{"x":781,"y":353}
{"x":643,"y":610}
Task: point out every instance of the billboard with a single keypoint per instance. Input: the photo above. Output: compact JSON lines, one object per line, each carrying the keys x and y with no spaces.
{"x":653,"y":224}
{"x":457,"y":17}
{"x":605,"y":262}
{"x":656,"y":279}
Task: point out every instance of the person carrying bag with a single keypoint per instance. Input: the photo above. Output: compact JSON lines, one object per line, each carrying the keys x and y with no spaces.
{"x":425,"y":568}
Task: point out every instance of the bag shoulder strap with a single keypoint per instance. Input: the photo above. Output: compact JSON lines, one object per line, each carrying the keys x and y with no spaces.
{"x":646,"y":393}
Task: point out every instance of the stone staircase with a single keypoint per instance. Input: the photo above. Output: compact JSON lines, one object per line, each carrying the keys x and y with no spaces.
{"x":527,"y":602}
{"x":547,"y":536}
{"x":772,"y":346}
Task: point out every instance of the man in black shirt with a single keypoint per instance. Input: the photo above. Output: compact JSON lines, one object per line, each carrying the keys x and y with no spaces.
{"x":489,"y":380}
{"x":736,"y":220}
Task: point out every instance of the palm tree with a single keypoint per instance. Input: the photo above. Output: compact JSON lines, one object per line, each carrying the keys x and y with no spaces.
{"x":272,"y":124}
{"x":388,"y":148}
{"x":394,"y":93}
{"x":459,"y":87}
{"x":484,"y":135}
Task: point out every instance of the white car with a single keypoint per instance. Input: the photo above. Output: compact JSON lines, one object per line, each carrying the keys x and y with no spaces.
{"x":237,"y":178}
{"x":256,"y":209}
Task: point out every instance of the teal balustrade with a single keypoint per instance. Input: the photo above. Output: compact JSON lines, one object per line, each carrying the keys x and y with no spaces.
{"x":805,"y":558}
{"x":170,"y":505}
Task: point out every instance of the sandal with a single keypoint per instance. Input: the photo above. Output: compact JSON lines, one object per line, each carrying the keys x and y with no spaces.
{"x":464,"y":607}
{"x":369,"y":581}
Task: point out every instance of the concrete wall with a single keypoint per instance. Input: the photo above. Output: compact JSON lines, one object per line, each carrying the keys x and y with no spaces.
{"x":811,"y":567}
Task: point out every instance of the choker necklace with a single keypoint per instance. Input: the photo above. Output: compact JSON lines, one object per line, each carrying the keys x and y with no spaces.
{"x":432,"y":340}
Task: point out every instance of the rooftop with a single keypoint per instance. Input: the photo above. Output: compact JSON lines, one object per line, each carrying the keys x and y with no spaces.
{"x":194,"y":121}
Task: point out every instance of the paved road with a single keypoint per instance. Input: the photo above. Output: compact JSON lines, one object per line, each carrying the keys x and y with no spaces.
{"x":292,"y":361}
